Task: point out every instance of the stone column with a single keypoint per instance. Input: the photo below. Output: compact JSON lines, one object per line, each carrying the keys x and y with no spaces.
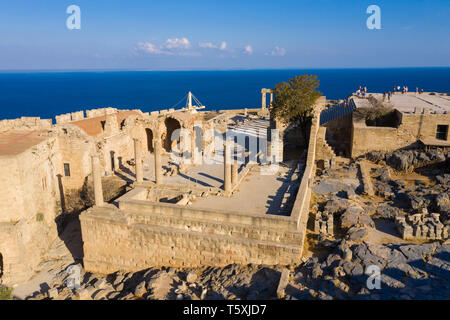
{"x":227,"y":167}
{"x":269,"y":152}
{"x":158,"y":165}
{"x":234,"y":173}
{"x":97,"y":178}
{"x":263,"y":102}
{"x":138,"y":160}
{"x":116,"y":162}
{"x":271,"y":98}
{"x":234,"y":164}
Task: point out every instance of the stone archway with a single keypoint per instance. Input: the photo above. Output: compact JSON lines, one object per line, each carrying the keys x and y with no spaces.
{"x":171,"y":124}
{"x":149,"y":135}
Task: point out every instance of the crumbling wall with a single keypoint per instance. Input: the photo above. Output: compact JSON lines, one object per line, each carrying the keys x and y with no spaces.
{"x":25,"y":123}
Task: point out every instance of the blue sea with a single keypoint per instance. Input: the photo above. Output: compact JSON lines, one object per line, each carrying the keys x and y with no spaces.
{"x":48,"y":94}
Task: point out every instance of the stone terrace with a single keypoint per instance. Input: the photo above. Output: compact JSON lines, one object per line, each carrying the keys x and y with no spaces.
{"x":407,"y":103}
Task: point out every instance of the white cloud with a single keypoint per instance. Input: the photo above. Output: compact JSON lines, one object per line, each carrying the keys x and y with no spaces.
{"x":248,"y":49}
{"x":149,"y":48}
{"x":177,"y":43}
{"x":223,"y":45}
{"x":277,"y":51}
{"x":208,"y":45}
{"x":175,"y":46}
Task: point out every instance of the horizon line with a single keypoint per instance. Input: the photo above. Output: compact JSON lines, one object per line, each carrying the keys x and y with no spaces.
{"x":4,"y":71}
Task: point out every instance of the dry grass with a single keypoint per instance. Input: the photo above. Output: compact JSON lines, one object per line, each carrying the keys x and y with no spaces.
{"x":6,"y":293}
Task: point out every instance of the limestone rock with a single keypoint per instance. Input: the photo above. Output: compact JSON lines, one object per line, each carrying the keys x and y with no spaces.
{"x":191,"y":277}
{"x":140,"y":289}
{"x":357,"y":234}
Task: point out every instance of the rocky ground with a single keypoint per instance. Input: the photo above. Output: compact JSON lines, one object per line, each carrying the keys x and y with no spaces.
{"x":364,"y":243}
{"x":407,"y":272}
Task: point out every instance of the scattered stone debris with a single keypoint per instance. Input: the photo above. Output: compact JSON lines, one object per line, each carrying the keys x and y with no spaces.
{"x":422,"y":225}
{"x":409,"y":159}
{"x":323,"y":223}
{"x":408,"y":271}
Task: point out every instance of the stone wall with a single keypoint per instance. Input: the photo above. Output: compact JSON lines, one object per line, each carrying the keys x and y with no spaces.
{"x":413,"y":127}
{"x":27,"y":209}
{"x":338,"y":134}
{"x":142,"y":234}
{"x":75,"y":148}
{"x":323,"y":149}
{"x":25,"y":123}
{"x":300,"y":210}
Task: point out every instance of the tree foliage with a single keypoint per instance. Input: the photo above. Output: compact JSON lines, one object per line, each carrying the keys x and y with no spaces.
{"x":295,"y":99}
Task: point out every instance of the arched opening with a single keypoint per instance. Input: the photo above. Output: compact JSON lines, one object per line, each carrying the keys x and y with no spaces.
{"x":149,"y":133}
{"x":171,"y":125}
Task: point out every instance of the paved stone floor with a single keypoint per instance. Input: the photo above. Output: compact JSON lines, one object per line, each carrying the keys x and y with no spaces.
{"x":257,"y":193}
{"x":407,"y":102}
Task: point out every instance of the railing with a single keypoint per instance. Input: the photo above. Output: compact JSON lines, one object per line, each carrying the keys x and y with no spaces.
{"x":336,"y":112}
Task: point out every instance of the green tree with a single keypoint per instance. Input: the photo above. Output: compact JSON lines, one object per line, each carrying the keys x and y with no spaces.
{"x":294,"y":100}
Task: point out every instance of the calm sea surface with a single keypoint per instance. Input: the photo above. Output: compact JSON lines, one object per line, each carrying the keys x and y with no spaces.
{"x":49,"y":94}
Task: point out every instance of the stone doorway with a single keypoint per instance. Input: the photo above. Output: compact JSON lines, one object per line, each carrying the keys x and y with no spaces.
{"x":171,"y":125}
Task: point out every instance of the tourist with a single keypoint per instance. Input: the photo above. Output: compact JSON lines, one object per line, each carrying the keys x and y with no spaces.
{"x":417,"y":90}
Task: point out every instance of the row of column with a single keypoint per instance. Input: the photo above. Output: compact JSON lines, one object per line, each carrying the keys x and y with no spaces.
{"x":230,"y":169}
{"x":138,"y":160}
{"x":97,"y":176}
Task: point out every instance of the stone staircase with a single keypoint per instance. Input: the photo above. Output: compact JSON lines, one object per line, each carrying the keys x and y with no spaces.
{"x":323,"y":149}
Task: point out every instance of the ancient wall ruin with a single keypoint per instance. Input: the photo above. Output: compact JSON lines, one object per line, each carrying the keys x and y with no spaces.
{"x":413,"y":127}
{"x":25,"y":123}
{"x":142,"y":234}
{"x":28,"y":207}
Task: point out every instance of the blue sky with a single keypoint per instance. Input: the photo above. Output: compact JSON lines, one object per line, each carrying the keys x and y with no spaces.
{"x":231,"y":34}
